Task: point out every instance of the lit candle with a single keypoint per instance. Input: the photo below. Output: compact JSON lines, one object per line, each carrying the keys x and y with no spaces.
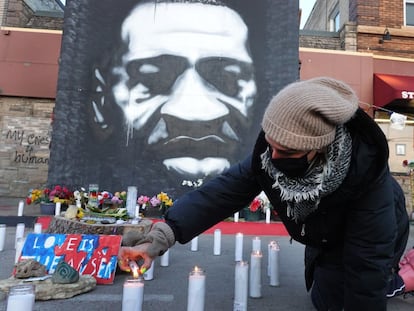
{"x":21,"y":297}
{"x":236,"y":217}
{"x":194,"y":244}
{"x":238,"y":253}
{"x":164,"y":260}
{"x":274,"y":265}
{"x":255,"y":277}
{"x":241,"y":286}
{"x":268,"y":215}
{"x":2,"y":236}
{"x":196,"y":290}
{"x":20,"y":208}
{"x":37,"y":227}
{"x":19,"y":232}
{"x":149,"y":274}
{"x":217,"y":242}
{"x":133,"y":295}
{"x":57,"y":208}
{"x":256,"y":244}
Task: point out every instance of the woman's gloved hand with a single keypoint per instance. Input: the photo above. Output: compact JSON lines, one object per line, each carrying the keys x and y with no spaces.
{"x":147,"y":247}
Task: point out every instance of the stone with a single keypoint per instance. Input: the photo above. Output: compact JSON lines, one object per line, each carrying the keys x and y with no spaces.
{"x":47,"y":290}
{"x":29,"y":268}
{"x":64,"y":274}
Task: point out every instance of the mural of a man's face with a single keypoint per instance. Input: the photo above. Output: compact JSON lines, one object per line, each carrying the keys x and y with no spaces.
{"x":185,"y":83}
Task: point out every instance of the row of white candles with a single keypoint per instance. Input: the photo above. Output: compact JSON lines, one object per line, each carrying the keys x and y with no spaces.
{"x":20,"y":208}
{"x":267,"y":216}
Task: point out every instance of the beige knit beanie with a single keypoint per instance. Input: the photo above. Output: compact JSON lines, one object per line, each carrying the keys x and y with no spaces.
{"x":304,"y":114}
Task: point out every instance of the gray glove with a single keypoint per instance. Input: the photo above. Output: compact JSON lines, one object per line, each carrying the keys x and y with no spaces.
{"x":161,"y":238}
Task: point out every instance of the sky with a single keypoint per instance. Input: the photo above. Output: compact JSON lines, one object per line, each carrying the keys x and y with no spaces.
{"x":306,"y":6}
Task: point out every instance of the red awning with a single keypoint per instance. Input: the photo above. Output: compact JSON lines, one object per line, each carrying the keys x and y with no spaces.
{"x":390,"y":87}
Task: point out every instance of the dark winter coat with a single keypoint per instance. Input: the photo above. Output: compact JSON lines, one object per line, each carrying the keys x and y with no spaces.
{"x":357,"y":225}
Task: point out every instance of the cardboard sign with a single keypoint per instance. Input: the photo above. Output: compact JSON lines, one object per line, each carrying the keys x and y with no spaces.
{"x":88,"y":254}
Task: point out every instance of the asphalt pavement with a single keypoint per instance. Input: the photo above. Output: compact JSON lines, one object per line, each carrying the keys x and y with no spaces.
{"x":169,"y":288}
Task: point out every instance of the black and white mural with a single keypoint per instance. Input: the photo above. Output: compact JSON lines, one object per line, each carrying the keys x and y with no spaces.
{"x":163,"y":94}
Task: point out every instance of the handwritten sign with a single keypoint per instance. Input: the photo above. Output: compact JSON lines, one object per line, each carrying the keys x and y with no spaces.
{"x":95,"y":255}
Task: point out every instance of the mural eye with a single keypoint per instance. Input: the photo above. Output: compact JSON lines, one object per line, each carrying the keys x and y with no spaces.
{"x":224,"y":73}
{"x":157,"y":74}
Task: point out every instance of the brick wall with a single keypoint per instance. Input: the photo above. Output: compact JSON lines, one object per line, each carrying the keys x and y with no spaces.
{"x":25,"y":125}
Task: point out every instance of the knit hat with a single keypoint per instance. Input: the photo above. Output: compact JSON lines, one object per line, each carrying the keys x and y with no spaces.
{"x":304,"y":114}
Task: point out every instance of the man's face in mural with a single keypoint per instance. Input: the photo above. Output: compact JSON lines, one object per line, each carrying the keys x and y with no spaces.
{"x":186,"y":81}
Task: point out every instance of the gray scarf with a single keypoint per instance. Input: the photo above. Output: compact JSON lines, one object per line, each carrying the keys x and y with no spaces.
{"x":303,"y":194}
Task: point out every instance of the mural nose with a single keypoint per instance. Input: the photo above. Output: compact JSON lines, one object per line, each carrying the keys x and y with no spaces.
{"x":192,"y":99}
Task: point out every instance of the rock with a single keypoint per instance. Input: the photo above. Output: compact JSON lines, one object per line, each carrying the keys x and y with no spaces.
{"x":29,"y":268}
{"x":47,"y":290}
{"x":64,"y":274}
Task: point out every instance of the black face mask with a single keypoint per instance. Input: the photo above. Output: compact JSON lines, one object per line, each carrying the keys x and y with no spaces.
{"x":292,"y":167}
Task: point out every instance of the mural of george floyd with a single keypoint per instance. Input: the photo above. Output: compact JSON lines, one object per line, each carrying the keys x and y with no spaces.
{"x":165,"y":95}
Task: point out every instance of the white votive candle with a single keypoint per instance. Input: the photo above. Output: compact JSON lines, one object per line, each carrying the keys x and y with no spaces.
{"x":196,"y":290}
{"x":20,"y":208}
{"x":37,"y":228}
{"x":194,"y":244}
{"x":21,"y":297}
{"x":217,"y":242}
{"x":238,"y":250}
{"x":2,"y":236}
{"x":236,"y":217}
{"x":58,"y":208}
{"x":133,"y":295}
{"x":274,"y":265}
{"x":255,"y":275}
{"x":256,"y":244}
{"x":19,"y":232}
{"x":149,"y":274}
{"x":241,"y":283}
{"x":165,"y":258}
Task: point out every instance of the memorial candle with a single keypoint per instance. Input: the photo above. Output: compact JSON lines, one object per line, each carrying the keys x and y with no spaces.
{"x":37,"y":228}
{"x":131,"y":201}
{"x":256,"y":244}
{"x":133,"y":295}
{"x":2,"y":236}
{"x":194,"y":244}
{"x":255,"y":275}
{"x":238,"y":253}
{"x":20,"y":208}
{"x":57,"y":208}
{"x":241,"y":286}
{"x":21,"y":297}
{"x":19,"y":232}
{"x":164,"y":260}
{"x":268,"y":215}
{"x":274,"y":265}
{"x":196,"y":290}
{"x":217,"y":242}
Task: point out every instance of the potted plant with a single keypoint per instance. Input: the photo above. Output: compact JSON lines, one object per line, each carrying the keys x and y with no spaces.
{"x":47,"y":198}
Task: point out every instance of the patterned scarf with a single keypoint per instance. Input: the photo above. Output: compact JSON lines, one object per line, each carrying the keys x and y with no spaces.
{"x":303,"y":194}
